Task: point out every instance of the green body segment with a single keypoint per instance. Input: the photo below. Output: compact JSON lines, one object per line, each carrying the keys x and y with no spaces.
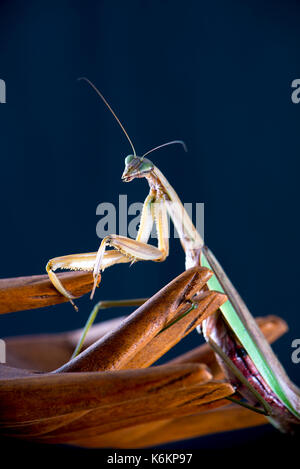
{"x":247,"y":342}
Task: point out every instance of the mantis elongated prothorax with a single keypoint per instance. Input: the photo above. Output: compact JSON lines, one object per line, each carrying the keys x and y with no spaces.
{"x":251,"y":359}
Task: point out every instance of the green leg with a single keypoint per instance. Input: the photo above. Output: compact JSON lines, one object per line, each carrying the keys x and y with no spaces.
{"x":104,"y":305}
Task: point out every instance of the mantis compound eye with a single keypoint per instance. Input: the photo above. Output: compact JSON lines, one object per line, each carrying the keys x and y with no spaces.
{"x":146,"y":166}
{"x":128,"y":159}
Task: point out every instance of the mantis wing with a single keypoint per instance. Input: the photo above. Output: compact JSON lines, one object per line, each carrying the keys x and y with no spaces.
{"x":244,"y":326}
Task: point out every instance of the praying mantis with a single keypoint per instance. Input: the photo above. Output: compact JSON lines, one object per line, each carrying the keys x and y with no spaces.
{"x":240,"y":347}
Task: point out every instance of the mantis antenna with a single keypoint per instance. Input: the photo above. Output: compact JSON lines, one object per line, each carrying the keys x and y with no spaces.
{"x":111,"y":110}
{"x":166,"y":144}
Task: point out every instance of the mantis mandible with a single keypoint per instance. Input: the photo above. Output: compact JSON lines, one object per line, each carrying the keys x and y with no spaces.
{"x":243,"y":352}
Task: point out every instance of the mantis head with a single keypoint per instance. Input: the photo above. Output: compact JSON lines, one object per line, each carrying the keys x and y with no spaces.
{"x":136,"y":167}
{"x":139,"y":166}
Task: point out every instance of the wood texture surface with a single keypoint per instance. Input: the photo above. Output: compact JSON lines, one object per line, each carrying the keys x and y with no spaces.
{"x":116,"y":349}
{"x":212,"y":419}
{"x":126,"y":404}
{"x":37,"y":291}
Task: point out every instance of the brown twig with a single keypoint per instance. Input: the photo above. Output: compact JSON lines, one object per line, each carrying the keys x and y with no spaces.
{"x":116,"y":349}
{"x":37,"y":291}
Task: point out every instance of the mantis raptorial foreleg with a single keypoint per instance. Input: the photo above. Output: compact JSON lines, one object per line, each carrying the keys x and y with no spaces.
{"x":154,"y":211}
{"x":83,"y":262}
{"x":125,"y":249}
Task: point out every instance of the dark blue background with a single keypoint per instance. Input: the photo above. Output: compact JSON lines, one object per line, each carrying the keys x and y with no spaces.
{"x":216,"y":74}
